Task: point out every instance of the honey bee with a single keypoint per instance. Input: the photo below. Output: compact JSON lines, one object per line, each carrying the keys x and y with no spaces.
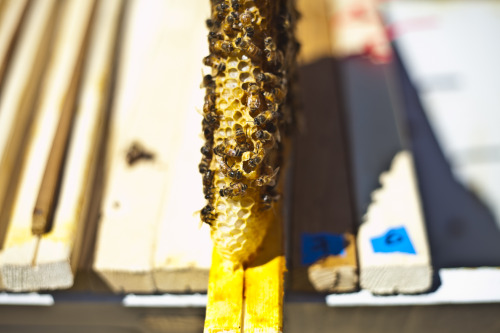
{"x":240,"y":136}
{"x":265,"y":137}
{"x":206,"y":150}
{"x":221,"y":48}
{"x":214,"y":62}
{"x":213,"y":36}
{"x":209,"y":193}
{"x":269,"y":179}
{"x":207,"y":216}
{"x":241,"y":139}
{"x":234,"y":189}
{"x":208,"y":178}
{"x":218,"y":46}
{"x":209,"y":105}
{"x":208,"y":82}
{"x":221,"y":11}
{"x":211,"y":120}
{"x":235,"y":4}
{"x":273,"y":55}
{"x":246,"y":19}
{"x":265,"y":118}
{"x":224,"y":150}
{"x":210,"y":23}
{"x":254,"y":98}
{"x":246,"y":45}
{"x":235,"y":174}
{"x":277,"y":95}
{"x":229,"y":26}
{"x":204,"y":165}
{"x":250,"y":32}
{"x":267,"y":200}
{"x":255,"y":160}
{"x":268,"y":78}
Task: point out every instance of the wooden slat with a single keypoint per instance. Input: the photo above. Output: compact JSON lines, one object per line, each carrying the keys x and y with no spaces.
{"x":183,"y":250}
{"x":264,"y":283}
{"x":322,"y":203}
{"x":21,"y":268}
{"x":133,"y":193}
{"x":402,"y":262}
{"x":153,"y":200}
{"x":387,"y":263}
{"x":225,"y":297}
{"x":250,"y":299}
{"x":18,"y":97}
{"x":11,"y":18}
{"x":70,"y":221}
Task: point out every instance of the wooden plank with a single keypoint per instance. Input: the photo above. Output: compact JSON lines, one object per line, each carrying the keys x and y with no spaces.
{"x":11,"y":18}
{"x":152,"y":110}
{"x":182,"y":256}
{"x":70,"y":221}
{"x":393,"y":251}
{"x":225,"y":297}
{"x":322,"y":204}
{"x":20,"y":266}
{"x":264,"y":282}
{"x":249,"y":299}
{"x":18,"y":98}
{"x":394,"y":255}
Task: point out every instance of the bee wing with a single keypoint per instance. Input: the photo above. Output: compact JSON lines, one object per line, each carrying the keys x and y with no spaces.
{"x":275,"y":172}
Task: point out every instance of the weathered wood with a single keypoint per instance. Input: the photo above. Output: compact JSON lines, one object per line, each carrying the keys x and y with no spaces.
{"x":26,"y":263}
{"x":12,"y":13}
{"x":18,"y":97}
{"x":394,"y":225}
{"x":145,"y":196}
{"x":393,"y":251}
{"x":183,"y":250}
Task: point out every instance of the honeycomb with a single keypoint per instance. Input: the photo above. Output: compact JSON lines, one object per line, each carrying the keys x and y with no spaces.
{"x":246,"y":112}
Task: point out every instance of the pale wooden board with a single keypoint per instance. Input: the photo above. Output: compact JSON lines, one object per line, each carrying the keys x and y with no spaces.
{"x":11,"y":14}
{"x":61,"y":247}
{"x":18,"y":97}
{"x":396,"y":204}
{"x":157,"y":94}
{"x":19,"y":268}
{"x":182,"y":256}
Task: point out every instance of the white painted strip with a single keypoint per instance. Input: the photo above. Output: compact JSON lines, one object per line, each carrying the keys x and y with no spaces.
{"x":165,"y":300}
{"x":26,"y":299}
{"x":458,"y":286}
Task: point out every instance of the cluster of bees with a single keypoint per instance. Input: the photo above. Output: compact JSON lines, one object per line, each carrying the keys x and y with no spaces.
{"x":248,"y":69}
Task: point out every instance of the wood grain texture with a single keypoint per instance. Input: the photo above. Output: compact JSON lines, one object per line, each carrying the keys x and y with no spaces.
{"x":148,"y":237}
{"x":225,"y":297}
{"x":26,"y":263}
{"x":396,"y":204}
{"x":12,"y":13}
{"x":182,"y":256}
{"x":17,"y":101}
